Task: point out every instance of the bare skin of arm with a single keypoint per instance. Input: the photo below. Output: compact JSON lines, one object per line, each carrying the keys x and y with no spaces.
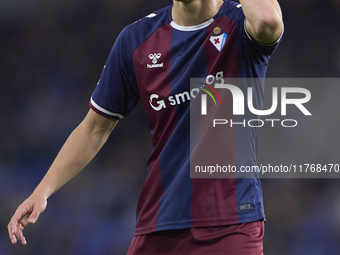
{"x":79,"y":149}
{"x":264,"y":20}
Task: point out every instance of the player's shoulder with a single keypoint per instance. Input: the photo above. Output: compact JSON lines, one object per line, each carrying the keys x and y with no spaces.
{"x":150,"y":23}
{"x":133,"y":35}
{"x":230,"y":6}
{"x":232,"y":9}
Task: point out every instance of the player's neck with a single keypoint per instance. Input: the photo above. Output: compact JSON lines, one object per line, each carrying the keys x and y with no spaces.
{"x":194,"y":12}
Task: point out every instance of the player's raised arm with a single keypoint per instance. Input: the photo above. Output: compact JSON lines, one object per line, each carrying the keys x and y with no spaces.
{"x":264,"y":20}
{"x":79,"y":149}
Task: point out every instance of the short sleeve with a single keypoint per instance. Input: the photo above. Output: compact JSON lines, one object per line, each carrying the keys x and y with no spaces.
{"x":116,"y":93}
{"x":265,"y":50}
{"x":258,"y":54}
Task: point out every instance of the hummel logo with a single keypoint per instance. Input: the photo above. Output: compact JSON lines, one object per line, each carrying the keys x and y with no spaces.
{"x":154,"y":57}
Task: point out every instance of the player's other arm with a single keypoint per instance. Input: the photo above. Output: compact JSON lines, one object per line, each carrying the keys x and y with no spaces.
{"x":79,"y":149}
{"x":263,"y":20}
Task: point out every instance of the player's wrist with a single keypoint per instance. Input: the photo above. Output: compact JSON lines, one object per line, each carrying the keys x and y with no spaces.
{"x":40,"y":193}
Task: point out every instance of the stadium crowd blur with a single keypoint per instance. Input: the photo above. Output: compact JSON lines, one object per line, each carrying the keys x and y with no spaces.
{"x":52,"y":53}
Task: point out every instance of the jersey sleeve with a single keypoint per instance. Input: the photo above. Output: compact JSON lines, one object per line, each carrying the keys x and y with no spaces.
{"x":259,"y":53}
{"x":263,"y":49}
{"x":116,"y":93}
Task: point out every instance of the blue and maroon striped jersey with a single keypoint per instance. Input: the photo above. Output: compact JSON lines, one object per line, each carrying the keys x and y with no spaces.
{"x":152,"y":61}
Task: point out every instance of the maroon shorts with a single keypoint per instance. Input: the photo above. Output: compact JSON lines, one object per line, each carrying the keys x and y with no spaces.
{"x":238,"y":239}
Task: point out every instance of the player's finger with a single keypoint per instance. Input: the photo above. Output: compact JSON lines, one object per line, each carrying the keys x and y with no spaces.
{"x":24,"y":220}
{"x":11,"y":232}
{"x":13,"y":228}
{"x":15,"y":222}
{"x":19,"y":234}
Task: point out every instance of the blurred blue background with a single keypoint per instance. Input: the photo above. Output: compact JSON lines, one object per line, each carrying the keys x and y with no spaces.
{"x":52,"y":54}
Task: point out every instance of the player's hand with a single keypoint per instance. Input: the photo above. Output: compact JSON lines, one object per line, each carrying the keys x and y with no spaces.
{"x":27,"y":212}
